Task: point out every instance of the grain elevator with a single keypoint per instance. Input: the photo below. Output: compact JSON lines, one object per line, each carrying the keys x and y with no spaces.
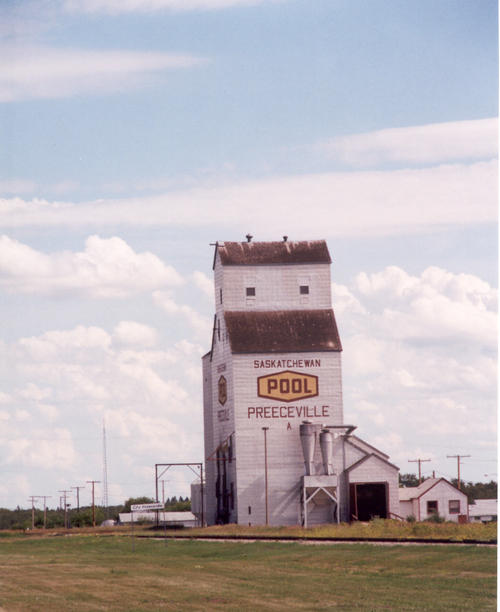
{"x":277,"y":448}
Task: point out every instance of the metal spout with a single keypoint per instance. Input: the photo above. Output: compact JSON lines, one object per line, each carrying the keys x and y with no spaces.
{"x":308,"y":440}
{"x":326,"y":444}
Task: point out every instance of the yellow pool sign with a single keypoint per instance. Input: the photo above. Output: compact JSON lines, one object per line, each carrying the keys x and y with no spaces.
{"x":287,"y":386}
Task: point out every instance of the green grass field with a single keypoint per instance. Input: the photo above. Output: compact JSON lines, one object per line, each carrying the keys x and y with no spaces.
{"x":89,"y":572}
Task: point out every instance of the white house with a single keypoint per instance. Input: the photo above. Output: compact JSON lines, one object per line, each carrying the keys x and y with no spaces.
{"x":433,"y":496}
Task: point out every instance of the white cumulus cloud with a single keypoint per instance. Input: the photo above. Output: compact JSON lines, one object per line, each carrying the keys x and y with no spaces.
{"x":63,"y":382}
{"x":107,"y":268}
{"x":53,"y":450}
{"x":200,"y":324}
{"x":434,"y":307}
{"x":205,"y":284}
{"x":419,"y":361}
{"x":133,"y":333}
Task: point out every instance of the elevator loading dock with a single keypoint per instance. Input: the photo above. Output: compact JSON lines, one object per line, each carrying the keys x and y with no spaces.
{"x":368,"y":500}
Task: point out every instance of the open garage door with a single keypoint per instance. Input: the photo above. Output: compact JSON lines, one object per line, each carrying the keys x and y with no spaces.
{"x":368,"y":500}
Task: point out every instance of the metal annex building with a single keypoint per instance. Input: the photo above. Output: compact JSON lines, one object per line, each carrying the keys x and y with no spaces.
{"x":277,"y":450}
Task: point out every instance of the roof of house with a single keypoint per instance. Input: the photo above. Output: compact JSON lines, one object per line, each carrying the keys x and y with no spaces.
{"x":265,"y":253}
{"x":282,"y":331}
{"x":409,"y":493}
{"x":483,"y":507}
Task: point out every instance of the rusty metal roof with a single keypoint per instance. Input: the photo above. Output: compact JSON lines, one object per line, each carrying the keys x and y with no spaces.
{"x":283,"y":331}
{"x":265,"y":253}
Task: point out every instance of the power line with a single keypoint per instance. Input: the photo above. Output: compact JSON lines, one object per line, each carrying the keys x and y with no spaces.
{"x":45,"y":498}
{"x":419,"y":461}
{"x":458,"y":457}
{"x":32,"y":498}
{"x":64,"y":492}
{"x":93,"y":482}
{"x":78,"y":497}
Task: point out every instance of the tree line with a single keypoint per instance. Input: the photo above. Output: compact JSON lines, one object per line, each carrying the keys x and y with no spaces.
{"x":21,"y":518}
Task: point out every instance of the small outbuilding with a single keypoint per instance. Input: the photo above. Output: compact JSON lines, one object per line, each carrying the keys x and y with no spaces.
{"x":373,"y":482}
{"x":170,"y":519}
{"x":434,"y":496}
{"x":483,"y":511}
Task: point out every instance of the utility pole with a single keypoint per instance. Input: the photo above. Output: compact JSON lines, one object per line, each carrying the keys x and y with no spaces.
{"x":64,"y":492}
{"x":458,"y":457}
{"x":264,"y":429}
{"x":78,"y":497}
{"x":32,"y":499}
{"x":45,"y":498}
{"x":93,"y":482}
{"x":419,"y":461}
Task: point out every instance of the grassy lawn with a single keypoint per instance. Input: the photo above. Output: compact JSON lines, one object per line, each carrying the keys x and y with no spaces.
{"x":88,"y":572}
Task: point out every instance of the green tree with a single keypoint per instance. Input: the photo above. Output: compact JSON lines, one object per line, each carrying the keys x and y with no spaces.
{"x":136,"y":500}
{"x":178,"y":506}
{"x":478,"y":490}
{"x":83,"y":518}
{"x":408,"y":480}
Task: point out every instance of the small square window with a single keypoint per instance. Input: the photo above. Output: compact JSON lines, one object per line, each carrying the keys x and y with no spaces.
{"x":432,"y":507}
{"x":454,"y":506}
{"x":304,"y":289}
{"x":250,"y":291}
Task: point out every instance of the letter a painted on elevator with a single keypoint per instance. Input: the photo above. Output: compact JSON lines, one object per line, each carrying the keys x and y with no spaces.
{"x":287,"y":386}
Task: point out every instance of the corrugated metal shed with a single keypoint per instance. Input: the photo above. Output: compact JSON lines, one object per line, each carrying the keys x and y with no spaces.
{"x":266,"y":253}
{"x":284,"y":331}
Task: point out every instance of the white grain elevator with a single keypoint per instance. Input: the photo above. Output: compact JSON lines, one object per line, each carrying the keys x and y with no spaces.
{"x":277,"y":449}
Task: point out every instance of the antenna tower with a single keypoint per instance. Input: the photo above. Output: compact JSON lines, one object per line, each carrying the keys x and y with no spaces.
{"x":104,"y":470}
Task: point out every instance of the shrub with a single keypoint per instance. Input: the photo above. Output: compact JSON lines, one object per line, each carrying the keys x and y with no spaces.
{"x":435,"y":518}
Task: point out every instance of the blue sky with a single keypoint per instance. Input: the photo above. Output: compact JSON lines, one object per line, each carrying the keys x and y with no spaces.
{"x":138,"y":132}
